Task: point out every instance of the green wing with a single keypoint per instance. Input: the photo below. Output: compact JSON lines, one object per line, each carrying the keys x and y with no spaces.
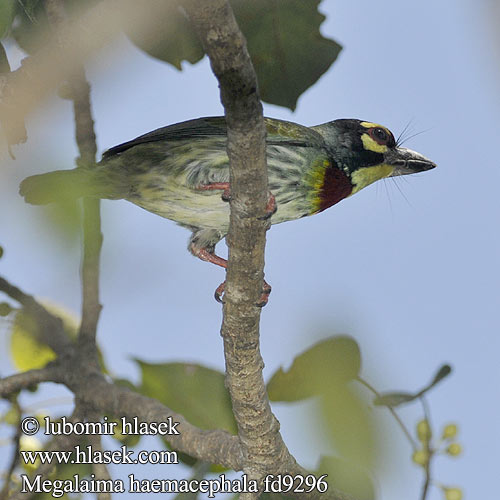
{"x":279,"y":132}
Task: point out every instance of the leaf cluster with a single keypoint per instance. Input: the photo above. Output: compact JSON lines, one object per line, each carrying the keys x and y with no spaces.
{"x":287,"y":48}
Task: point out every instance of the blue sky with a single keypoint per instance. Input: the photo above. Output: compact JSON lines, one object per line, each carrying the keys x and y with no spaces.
{"x":413,"y":278}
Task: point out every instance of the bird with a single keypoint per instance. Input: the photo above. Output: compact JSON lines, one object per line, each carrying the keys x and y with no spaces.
{"x":179,"y":171}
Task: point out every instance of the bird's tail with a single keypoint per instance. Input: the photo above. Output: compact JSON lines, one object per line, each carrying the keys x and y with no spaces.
{"x":57,"y":186}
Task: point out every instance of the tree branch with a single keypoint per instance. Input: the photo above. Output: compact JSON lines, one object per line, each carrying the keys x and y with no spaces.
{"x":19,"y":381}
{"x":214,"y":446}
{"x":258,"y":430}
{"x":86,"y":141}
{"x":226,"y":47}
{"x":89,"y":385}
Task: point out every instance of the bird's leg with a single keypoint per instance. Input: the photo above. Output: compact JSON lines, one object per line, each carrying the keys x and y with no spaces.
{"x":209,"y":256}
{"x":226,"y":193}
{"x":271,"y":206}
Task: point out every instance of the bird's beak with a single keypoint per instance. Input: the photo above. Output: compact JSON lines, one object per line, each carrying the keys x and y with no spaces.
{"x":405,"y":161}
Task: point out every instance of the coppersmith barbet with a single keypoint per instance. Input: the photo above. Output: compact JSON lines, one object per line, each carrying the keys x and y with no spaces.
{"x":178,"y":172}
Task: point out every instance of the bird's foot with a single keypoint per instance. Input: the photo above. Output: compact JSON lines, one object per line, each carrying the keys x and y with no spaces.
{"x":226,"y":192}
{"x":219,"y":292}
{"x":271,"y":207}
{"x":266,"y":290}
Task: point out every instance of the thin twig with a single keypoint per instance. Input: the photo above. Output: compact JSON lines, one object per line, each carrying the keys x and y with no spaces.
{"x":86,"y":142}
{"x":429,"y":451}
{"x":393,"y":413}
{"x":23,"y":380}
{"x":92,"y":236}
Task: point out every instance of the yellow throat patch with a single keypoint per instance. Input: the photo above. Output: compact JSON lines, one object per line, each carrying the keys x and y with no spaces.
{"x":368,"y":175}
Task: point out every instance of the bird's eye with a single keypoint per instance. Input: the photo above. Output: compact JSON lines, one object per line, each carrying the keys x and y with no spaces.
{"x":380,"y":135}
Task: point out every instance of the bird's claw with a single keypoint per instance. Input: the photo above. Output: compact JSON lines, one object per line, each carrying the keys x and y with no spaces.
{"x":219,"y":291}
{"x":264,"y":298}
{"x":266,"y":291}
{"x":271,"y":207}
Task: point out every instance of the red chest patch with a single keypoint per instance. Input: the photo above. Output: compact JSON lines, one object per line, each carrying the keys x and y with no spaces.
{"x":336,"y":187}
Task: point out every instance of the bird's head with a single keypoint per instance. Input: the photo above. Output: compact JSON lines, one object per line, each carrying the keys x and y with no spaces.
{"x":367,"y":152}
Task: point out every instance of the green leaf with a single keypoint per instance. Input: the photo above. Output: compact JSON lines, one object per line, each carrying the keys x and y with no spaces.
{"x":27,"y":352}
{"x":325,"y":370}
{"x":162,"y":30}
{"x":26,"y":349}
{"x":287,"y":49}
{"x":442,"y":373}
{"x":7,"y":11}
{"x":350,"y":424}
{"x":394,"y":399}
{"x":65,"y":219}
{"x":283,"y":37}
{"x":5,"y":309}
{"x":31,"y":30}
{"x":11,"y":416}
{"x":195,"y":391}
{"x":28,"y":7}
{"x":347,"y":477}
{"x":334,"y":360}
